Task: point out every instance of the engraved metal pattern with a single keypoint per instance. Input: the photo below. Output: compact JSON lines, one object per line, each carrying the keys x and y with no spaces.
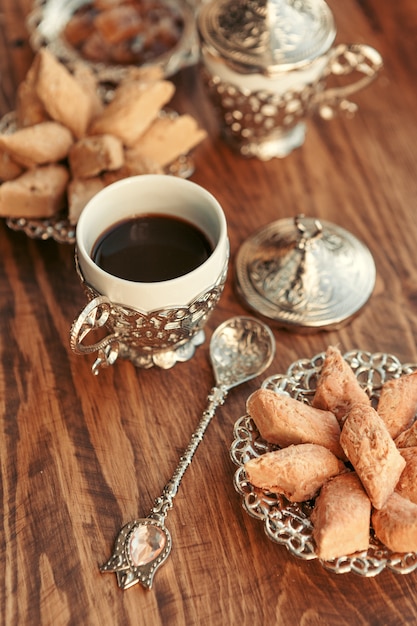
{"x":311,"y":32}
{"x":120,"y":562}
{"x":59,"y":227}
{"x":305,"y":274}
{"x":48,"y":19}
{"x":263,"y":123}
{"x":256,"y":123}
{"x":162,"y":337}
{"x":267,"y":34}
{"x":289,"y":523}
{"x":244,"y":343}
{"x":240,"y":349}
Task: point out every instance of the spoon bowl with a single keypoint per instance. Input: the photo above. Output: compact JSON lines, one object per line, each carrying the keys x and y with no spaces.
{"x":240,"y":349}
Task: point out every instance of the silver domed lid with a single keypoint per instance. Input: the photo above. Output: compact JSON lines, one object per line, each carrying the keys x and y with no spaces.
{"x":267,"y":36}
{"x":305,"y":275}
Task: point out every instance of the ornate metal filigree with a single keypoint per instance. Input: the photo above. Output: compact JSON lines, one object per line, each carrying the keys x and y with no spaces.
{"x":257,"y":124}
{"x":265,"y":34}
{"x":141,"y":547}
{"x":243,"y":25}
{"x":289,"y":523}
{"x":139,"y":550}
{"x":303,"y":273}
{"x":57,"y":228}
{"x":264,"y":123}
{"x":267,"y":67}
{"x":285,"y":277}
{"x":161,"y":337}
{"x":246,"y":344}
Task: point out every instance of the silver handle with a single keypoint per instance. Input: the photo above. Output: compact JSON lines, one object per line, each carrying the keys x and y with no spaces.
{"x":344,"y":60}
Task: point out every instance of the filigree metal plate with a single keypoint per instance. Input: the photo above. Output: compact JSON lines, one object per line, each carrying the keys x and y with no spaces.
{"x":289,"y":523}
{"x":59,"y":227}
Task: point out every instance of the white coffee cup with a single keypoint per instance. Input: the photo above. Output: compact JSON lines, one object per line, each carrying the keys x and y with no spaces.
{"x":150,"y":323}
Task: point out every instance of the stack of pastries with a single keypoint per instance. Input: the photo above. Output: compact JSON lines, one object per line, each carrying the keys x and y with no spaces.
{"x":68,"y":141}
{"x":358,"y":462}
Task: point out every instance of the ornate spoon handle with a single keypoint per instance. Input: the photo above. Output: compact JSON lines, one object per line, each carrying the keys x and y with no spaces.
{"x":165,"y":501}
{"x":240,"y":349}
{"x":143,"y":545}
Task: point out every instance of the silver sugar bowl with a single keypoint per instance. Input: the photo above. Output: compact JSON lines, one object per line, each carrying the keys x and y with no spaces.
{"x":267,"y":65}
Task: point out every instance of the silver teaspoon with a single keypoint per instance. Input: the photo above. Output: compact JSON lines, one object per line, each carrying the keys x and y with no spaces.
{"x":240,"y":349}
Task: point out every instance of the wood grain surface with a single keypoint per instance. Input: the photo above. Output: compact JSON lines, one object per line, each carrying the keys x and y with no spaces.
{"x":82,"y":455}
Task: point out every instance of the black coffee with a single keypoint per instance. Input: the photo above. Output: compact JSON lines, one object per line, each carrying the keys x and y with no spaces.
{"x":151,"y":248}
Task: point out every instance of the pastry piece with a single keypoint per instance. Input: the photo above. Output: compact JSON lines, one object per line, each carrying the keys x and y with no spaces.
{"x":95,"y":48}
{"x":127,"y":32}
{"x":372,"y":452}
{"x":79,"y":192}
{"x":337,"y":386}
{"x":397,"y":404}
{"x":146,"y":74}
{"x":119,"y":23}
{"x":134,"y":107}
{"x":284,"y":421}
{"x":167,"y":139}
{"x":88,"y":81}
{"x":29,"y":107}
{"x":297,"y":472}
{"x":396,"y":524}
{"x":105,"y":5}
{"x":8,"y":168}
{"x":40,"y":192}
{"x":407,"y":483}
{"x":408,"y":437}
{"x":79,"y":27}
{"x":132,"y":167}
{"x":90,"y":156}
{"x":47,"y":142}
{"x":341,"y":517}
{"x":63,"y":96}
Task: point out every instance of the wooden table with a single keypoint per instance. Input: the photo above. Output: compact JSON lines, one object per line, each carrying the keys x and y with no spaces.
{"x":82,"y":455}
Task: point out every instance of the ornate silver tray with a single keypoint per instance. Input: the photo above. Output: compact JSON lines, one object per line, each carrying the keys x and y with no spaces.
{"x":59,"y":227}
{"x":289,"y":523}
